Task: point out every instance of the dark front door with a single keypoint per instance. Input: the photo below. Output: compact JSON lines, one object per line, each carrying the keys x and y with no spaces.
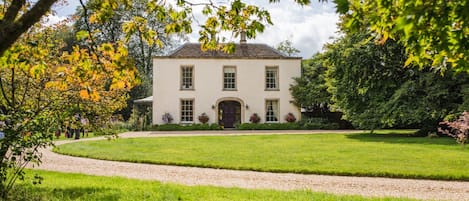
{"x":229,"y":113}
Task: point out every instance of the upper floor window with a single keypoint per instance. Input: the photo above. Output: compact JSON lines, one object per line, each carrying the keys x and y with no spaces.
{"x":271,"y":78}
{"x":187,"y":77}
{"x":229,"y":78}
{"x":187,"y":111}
{"x":271,"y":111}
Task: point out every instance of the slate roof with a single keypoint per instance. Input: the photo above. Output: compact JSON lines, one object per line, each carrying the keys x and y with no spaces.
{"x":242,"y":51}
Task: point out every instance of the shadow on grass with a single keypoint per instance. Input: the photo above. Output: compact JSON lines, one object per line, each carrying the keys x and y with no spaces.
{"x":401,"y":139}
{"x":82,"y":193}
{"x":38,"y":193}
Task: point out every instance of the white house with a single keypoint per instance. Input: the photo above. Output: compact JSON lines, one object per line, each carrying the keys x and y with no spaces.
{"x":229,"y":88}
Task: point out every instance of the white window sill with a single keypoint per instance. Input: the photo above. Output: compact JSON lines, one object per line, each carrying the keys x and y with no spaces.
{"x":272,"y":122}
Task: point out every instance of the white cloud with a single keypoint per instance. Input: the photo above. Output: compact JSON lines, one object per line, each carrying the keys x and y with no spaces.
{"x":309,"y":27}
{"x":53,"y":19}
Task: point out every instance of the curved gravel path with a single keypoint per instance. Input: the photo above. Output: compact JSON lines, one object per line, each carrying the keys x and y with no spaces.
{"x":365,"y":186}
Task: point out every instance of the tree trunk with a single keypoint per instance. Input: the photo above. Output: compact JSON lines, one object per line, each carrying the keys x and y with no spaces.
{"x":11,"y":28}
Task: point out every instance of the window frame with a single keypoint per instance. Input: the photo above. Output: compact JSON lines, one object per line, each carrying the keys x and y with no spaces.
{"x":276,"y":78}
{"x":235,"y":79}
{"x":277,"y":115}
{"x":182,"y":76}
{"x":182,"y":110}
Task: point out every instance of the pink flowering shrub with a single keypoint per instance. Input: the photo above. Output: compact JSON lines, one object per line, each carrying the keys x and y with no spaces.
{"x":290,"y":117}
{"x":254,"y":118}
{"x":458,"y":129}
{"x":203,"y":118}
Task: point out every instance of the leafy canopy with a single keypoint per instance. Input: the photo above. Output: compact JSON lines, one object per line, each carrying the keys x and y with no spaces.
{"x":42,"y":88}
{"x":310,"y":90}
{"x":435,"y":34}
{"x":370,"y":86}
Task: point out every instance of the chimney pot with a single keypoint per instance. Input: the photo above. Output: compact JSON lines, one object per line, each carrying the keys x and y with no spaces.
{"x":243,"y":37}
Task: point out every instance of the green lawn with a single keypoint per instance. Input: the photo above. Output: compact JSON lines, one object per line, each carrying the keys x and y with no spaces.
{"x":63,"y":187}
{"x":389,"y":155}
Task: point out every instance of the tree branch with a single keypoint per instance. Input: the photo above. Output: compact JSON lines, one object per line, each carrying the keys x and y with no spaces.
{"x":5,"y":97}
{"x":11,"y":30}
{"x":13,"y":89}
{"x":13,"y":10}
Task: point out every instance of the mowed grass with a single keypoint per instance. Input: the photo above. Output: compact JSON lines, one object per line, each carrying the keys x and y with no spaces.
{"x":63,"y":187}
{"x":363,"y":154}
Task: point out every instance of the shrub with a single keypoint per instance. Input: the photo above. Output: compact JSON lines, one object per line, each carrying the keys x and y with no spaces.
{"x":167,"y":118}
{"x":203,"y":118}
{"x":317,"y":123}
{"x":254,"y":118}
{"x":458,"y":129}
{"x":290,"y":117}
{"x":112,"y":129}
{"x":269,"y":126}
{"x":179,"y":127}
{"x":308,"y":124}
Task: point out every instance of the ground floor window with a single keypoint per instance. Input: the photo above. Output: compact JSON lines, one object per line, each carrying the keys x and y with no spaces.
{"x":271,"y":110}
{"x":187,"y":111}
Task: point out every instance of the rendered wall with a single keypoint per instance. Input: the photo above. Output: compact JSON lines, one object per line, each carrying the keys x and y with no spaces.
{"x":208,"y":87}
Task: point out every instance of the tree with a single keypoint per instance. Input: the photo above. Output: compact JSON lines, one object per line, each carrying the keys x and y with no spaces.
{"x":17,"y":17}
{"x":44,"y":82}
{"x":370,"y":86}
{"x":43,"y":87}
{"x":434,"y":33}
{"x":236,"y":16}
{"x":286,"y":47}
{"x":142,"y":32}
{"x":310,"y":90}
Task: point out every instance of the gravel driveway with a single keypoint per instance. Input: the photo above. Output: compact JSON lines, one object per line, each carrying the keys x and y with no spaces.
{"x":365,"y":186}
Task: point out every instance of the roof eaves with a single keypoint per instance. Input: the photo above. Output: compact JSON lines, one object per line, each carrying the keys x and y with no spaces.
{"x":175,"y":54}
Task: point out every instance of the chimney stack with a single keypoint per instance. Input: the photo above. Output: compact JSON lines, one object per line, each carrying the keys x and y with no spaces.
{"x":243,"y":37}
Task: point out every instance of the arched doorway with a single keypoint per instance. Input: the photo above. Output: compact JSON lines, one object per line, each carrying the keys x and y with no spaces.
{"x":229,"y":113}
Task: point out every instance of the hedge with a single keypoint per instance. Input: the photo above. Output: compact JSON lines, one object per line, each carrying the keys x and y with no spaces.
{"x":182,"y":127}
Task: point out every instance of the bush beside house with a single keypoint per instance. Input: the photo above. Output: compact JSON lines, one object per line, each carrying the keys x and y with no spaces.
{"x":308,"y":124}
{"x":180,"y":127}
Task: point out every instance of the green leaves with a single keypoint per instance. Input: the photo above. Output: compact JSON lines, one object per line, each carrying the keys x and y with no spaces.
{"x":342,"y":6}
{"x":371,"y":87}
{"x":432,"y":32}
{"x":82,"y":34}
{"x":238,"y":17}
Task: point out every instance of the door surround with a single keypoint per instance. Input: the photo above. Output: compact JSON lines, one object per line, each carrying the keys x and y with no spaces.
{"x":240,"y":101}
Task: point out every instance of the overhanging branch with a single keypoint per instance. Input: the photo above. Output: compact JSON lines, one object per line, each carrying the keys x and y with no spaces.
{"x":11,"y":29}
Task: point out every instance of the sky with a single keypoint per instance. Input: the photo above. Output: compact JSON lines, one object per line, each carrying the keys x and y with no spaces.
{"x":307,"y":27}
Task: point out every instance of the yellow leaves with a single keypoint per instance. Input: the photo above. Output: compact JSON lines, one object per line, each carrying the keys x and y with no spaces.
{"x":84,"y":94}
{"x":82,"y":34}
{"x":384,"y":37}
{"x":106,"y":47}
{"x":409,"y":60}
{"x":159,"y":43}
{"x":58,"y":85}
{"x":89,"y":95}
{"x":128,"y":28}
{"x":94,"y":18}
{"x":119,"y":84}
{"x":94,"y":77}
{"x":38,"y":70}
{"x":94,"y":96}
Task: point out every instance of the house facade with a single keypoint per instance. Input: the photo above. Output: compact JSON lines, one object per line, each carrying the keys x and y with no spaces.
{"x":228,"y":88}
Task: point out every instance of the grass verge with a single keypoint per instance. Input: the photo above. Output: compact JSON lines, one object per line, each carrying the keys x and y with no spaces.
{"x":64,"y":187}
{"x":385,"y":155}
